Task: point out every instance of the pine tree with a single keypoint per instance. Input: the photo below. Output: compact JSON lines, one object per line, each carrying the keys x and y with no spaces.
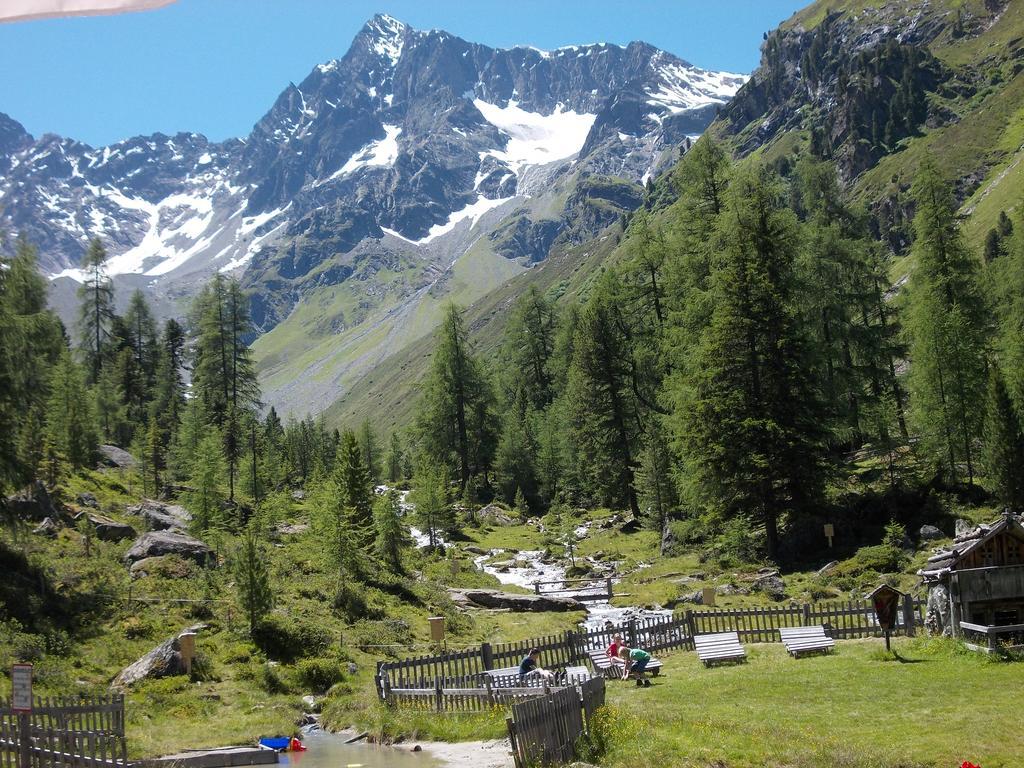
{"x":332,"y":521}
{"x":527,"y":350}
{"x":97,"y":309}
{"x":69,"y":414}
{"x":456,"y":422}
{"x":659,"y":499}
{"x":747,"y":414}
{"x":515,"y":459}
{"x":602,"y":409}
{"x":945,"y":323}
{"x":354,"y":483}
{"x":206,"y":497}
{"x":430,"y":498}
{"x":395,"y":471}
{"x":369,"y":446}
{"x":1003,"y":454}
{"x":391,"y":537}
{"x":252,"y":579}
{"x":142,"y":338}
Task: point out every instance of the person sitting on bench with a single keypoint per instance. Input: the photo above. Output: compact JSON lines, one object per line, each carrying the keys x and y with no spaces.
{"x":613,"y":650}
{"x":530,"y":667}
{"x":636,"y":660}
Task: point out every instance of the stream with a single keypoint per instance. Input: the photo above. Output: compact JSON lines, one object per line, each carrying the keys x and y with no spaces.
{"x":327,"y":750}
{"x":529,"y":567}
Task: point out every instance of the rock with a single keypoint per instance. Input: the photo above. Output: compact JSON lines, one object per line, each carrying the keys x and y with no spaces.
{"x":632,"y":525}
{"x":930,"y":533}
{"x":87,"y":499}
{"x":117,"y":457}
{"x":33,"y":502}
{"x":307,"y":720}
{"x":963,"y":527}
{"x":353,"y":667}
{"x":418,"y":748}
{"x":312,"y":703}
{"x":493,"y":598}
{"x":162,"y":661}
{"x":47,"y":528}
{"x":475,"y":550}
{"x":827,"y":567}
{"x":691,"y":598}
{"x":495,"y":515}
{"x":107,"y":529}
{"x":298,"y":495}
{"x":291,"y":529}
{"x":772,"y":585}
{"x":156,"y":543}
{"x":729,"y":589}
{"x":160,"y":516}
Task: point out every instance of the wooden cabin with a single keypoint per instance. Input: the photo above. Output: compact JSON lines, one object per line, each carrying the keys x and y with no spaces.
{"x":976,"y":587}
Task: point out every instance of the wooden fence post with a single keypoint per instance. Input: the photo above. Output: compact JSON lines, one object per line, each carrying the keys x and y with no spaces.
{"x":807,"y":614}
{"x":690,"y":627}
{"x":486,"y":655}
{"x":608,"y":584}
{"x":24,"y":741}
{"x":536,"y":587}
{"x":490,"y":692}
{"x":631,"y":631}
{"x":438,"y":694}
{"x":909,"y":615}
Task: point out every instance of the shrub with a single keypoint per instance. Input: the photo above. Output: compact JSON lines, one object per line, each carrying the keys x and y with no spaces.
{"x":319,"y":674}
{"x":287,"y":639}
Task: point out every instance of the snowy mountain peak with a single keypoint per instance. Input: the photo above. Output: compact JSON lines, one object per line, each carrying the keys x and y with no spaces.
{"x":385,"y":36}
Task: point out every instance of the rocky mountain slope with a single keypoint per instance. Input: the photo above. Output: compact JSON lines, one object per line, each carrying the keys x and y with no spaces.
{"x":874,"y":86}
{"x":879,"y":86}
{"x":417,"y":166}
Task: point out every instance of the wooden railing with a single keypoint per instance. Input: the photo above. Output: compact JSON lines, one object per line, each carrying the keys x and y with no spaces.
{"x":65,"y":733}
{"x":1009,"y":637}
{"x":579,"y":589}
{"x":546,"y":730}
{"x":425,"y":675}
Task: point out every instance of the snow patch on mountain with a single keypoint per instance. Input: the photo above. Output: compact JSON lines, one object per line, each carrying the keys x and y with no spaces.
{"x":533,"y":138}
{"x":473,"y":212}
{"x":380,"y":153}
{"x":683,"y":87}
{"x":388,"y":37}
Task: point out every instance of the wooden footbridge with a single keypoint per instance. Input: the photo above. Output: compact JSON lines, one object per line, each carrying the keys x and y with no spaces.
{"x":584,"y":590}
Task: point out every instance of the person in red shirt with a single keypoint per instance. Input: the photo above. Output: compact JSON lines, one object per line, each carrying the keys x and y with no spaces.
{"x":613,"y":650}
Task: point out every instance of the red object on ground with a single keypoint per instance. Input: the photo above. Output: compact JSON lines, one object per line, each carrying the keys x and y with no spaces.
{"x":296,"y":746}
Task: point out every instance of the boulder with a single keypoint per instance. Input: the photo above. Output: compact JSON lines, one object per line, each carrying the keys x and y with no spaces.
{"x":632,"y":525}
{"x":495,"y":515}
{"x":493,"y":598}
{"x":291,"y":529}
{"x":33,"y":502}
{"x":163,"y":661}
{"x":772,"y":585}
{"x":963,"y":527}
{"x":107,"y":529}
{"x":87,"y":499}
{"x":117,"y":457}
{"x":691,"y":598}
{"x":930,"y":533}
{"x":157,"y":543}
{"x":160,"y":516}
{"x":298,"y":495}
{"x":729,"y":589}
{"x":47,"y":528}
{"x":475,"y":550}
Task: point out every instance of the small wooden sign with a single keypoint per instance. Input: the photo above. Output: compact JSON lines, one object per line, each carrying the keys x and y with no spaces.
{"x":886,"y":602}
{"x":436,"y":628}
{"x":830,"y":531}
{"x":21,"y":691}
{"x":707,"y":596}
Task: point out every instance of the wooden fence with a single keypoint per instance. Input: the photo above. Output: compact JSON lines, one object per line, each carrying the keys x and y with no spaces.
{"x":545,"y":730}
{"x":64,"y":733}
{"x":421,"y":677}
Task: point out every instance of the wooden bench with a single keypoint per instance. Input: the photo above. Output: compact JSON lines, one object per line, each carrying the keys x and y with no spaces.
{"x":719,"y":647}
{"x":577,"y":675}
{"x":612,"y":670}
{"x":801,"y":640}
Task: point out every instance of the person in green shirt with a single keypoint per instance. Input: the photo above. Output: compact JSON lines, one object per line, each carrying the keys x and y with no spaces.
{"x":636,"y":660}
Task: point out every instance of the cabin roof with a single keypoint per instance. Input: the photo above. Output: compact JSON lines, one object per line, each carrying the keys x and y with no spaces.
{"x":946,"y":560}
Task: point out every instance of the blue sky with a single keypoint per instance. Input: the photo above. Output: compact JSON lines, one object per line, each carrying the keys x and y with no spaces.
{"x":216,"y":66}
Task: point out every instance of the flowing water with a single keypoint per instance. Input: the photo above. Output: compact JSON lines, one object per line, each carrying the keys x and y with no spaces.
{"x":325,"y":750}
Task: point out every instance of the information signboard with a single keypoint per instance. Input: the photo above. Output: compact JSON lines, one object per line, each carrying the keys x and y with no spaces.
{"x":21,"y":693}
